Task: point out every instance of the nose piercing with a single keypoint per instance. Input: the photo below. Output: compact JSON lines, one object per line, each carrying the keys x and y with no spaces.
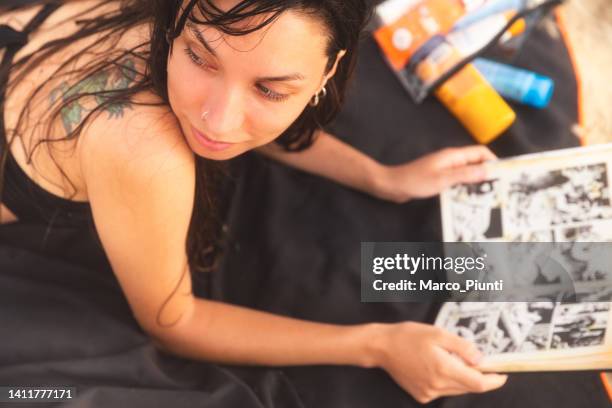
{"x":204,"y":115}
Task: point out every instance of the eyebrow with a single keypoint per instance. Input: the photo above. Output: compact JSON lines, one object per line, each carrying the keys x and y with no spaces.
{"x":282,"y":78}
{"x":199,"y":37}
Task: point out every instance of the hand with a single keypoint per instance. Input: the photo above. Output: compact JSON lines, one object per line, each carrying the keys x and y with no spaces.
{"x":432,"y":173}
{"x":429,"y":362}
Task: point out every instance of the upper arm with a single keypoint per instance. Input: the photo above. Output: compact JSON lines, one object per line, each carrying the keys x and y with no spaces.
{"x":140,"y":177}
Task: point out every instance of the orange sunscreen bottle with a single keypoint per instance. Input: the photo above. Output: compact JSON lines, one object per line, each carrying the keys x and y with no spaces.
{"x":467,"y":94}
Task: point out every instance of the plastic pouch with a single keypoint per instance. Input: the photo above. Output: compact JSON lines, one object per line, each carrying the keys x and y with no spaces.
{"x":416,"y":33}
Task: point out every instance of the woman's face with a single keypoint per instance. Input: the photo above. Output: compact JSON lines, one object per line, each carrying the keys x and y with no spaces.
{"x":235,"y":93}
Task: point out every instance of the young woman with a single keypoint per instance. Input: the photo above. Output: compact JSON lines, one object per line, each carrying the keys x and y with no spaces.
{"x":114,"y":111}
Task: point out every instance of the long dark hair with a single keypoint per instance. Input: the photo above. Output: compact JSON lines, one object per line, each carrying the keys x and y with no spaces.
{"x":343,"y":19}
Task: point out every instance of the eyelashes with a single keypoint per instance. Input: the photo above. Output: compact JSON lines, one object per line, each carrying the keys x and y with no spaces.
{"x":270,"y":94}
{"x":192,"y":55}
{"x":261,"y":89}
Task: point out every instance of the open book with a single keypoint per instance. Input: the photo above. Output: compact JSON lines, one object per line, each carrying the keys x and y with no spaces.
{"x":560,"y":197}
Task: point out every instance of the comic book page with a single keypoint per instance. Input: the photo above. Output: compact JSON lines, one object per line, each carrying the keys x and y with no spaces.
{"x":526,"y":336}
{"x":560,"y":197}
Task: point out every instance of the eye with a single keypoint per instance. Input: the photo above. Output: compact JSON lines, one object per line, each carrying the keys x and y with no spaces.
{"x":197,"y":59}
{"x":192,"y":55}
{"x":270,"y":94}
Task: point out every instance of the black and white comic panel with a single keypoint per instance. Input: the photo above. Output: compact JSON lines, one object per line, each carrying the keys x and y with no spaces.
{"x":580,"y":325}
{"x":476,"y":211}
{"x":539,"y":199}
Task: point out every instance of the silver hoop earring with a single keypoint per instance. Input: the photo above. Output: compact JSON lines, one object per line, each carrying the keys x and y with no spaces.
{"x":203,"y":117}
{"x":318,"y":96}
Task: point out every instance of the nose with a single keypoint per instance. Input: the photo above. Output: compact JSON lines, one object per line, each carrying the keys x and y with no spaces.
{"x":225,"y":107}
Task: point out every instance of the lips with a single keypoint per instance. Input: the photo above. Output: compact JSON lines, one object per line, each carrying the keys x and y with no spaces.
{"x":209,"y":143}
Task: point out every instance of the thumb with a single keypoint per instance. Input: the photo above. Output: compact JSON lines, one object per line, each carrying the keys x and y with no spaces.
{"x":473,"y":173}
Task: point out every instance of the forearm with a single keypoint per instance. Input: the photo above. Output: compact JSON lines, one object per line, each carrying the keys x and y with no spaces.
{"x":331,"y":158}
{"x":224,"y":333}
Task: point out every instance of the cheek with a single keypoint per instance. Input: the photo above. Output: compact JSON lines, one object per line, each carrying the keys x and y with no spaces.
{"x":185,"y":95}
{"x":269,"y":120}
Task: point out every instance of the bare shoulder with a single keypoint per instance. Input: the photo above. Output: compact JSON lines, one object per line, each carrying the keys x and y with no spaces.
{"x":145,"y":143}
{"x":140,"y":178}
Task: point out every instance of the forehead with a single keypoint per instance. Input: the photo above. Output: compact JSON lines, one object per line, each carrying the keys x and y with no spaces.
{"x":294,"y":38}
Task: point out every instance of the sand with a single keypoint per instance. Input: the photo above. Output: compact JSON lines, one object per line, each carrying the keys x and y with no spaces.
{"x":589,"y":27}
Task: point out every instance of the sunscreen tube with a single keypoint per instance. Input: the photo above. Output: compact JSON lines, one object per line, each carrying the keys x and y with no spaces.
{"x":517,"y":84}
{"x":467,"y":94}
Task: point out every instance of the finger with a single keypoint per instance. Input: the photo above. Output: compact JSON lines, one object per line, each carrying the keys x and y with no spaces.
{"x":461,"y":156}
{"x":427,"y":397}
{"x":460,"y":347}
{"x":474,"y":173}
{"x":454,"y":388}
{"x":460,"y":382}
{"x":447,"y":392}
{"x":478,"y":154}
{"x":472,"y":379}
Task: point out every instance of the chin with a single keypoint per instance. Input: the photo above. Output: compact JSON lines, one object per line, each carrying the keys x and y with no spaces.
{"x":217,"y":156}
{"x":228,"y":154}
{"x":211,"y":154}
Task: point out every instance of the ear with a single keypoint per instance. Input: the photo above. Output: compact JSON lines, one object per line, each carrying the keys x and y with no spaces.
{"x":333,"y":69}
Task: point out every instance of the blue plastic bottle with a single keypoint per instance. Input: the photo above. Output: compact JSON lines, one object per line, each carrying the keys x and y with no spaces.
{"x":517,"y":84}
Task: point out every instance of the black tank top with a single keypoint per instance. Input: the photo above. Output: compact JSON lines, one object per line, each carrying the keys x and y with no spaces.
{"x":47,"y":224}
{"x":27,"y":200}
